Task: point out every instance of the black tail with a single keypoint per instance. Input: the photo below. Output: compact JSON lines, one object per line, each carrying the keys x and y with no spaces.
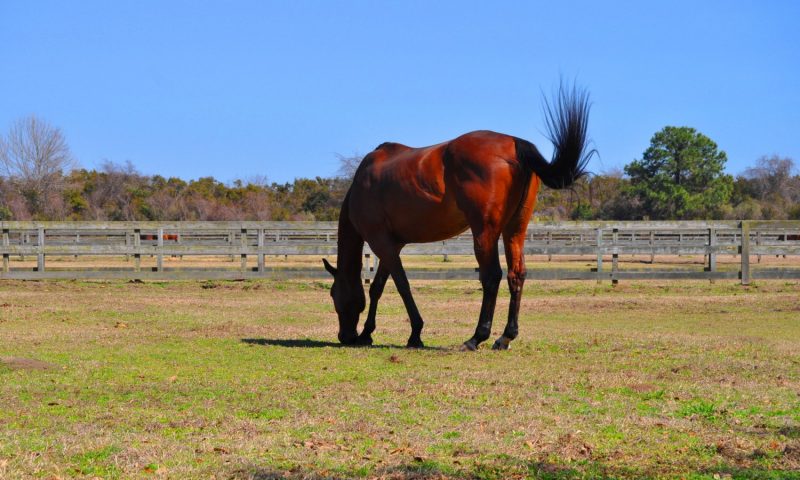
{"x":567,"y":120}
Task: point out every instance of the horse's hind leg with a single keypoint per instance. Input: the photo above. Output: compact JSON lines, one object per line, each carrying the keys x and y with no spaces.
{"x":375,"y":292}
{"x":490,"y":275}
{"x":514,"y":242}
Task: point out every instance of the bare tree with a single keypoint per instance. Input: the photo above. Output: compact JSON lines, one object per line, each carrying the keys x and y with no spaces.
{"x":34,"y":155}
{"x":257,"y":180}
{"x":771,"y":177}
{"x":349,"y":164}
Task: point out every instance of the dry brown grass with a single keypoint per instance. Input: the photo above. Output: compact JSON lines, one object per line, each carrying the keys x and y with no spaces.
{"x":242,"y":380}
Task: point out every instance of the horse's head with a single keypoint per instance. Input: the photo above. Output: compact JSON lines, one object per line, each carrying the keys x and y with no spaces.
{"x":348,"y":300}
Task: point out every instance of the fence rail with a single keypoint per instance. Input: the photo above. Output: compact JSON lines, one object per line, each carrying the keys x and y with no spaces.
{"x":135,"y":240}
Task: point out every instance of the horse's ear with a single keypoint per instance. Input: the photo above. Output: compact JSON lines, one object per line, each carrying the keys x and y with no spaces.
{"x":330,"y":268}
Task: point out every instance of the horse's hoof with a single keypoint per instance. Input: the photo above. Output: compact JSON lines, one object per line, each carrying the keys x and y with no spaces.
{"x":364,"y":340}
{"x":468,"y":346}
{"x":501,"y":343}
{"x":415,"y":344}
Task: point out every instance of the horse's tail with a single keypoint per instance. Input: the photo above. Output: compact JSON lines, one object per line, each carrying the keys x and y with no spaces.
{"x":567,"y":120}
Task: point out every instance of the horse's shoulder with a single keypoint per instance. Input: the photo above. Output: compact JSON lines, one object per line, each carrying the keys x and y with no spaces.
{"x":391,"y":146}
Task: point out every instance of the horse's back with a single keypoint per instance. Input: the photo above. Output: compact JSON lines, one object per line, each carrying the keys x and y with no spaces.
{"x":418,"y":194}
{"x":481,"y":147}
{"x":416,"y":164}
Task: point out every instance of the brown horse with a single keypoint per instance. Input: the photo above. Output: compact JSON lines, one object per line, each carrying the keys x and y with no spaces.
{"x":484,"y":181}
{"x":166,"y":236}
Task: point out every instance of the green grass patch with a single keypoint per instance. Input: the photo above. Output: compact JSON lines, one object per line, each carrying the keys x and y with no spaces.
{"x":246,"y":380}
{"x":703,"y":409}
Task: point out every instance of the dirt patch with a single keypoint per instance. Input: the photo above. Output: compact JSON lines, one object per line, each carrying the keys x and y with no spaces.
{"x":572,"y":447}
{"x":643,"y":387}
{"x":19,"y":363}
{"x":792,"y":451}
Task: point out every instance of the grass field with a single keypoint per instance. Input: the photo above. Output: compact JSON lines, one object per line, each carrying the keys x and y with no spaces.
{"x":240,"y":380}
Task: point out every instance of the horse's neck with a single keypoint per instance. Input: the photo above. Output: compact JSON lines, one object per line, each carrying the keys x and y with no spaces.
{"x":350,"y":243}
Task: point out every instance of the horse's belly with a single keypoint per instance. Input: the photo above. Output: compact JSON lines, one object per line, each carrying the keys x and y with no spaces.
{"x":428,"y":222}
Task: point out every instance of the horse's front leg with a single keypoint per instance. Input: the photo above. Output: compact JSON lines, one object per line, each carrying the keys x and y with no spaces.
{"x":390,"y":264}
{"x":375,"y":292}
{"x":404,"y":289}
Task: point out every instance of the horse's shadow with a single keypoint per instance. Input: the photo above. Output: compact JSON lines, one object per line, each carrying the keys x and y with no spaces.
{"x":309,"y":343}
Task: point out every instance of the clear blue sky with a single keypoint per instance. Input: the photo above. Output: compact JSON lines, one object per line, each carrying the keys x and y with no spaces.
{"x":238,"y":89}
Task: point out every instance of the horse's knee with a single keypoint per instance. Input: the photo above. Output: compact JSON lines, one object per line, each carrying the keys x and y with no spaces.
{"x":516,"y":279}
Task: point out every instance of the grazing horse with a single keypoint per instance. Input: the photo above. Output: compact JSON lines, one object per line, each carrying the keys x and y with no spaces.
{"x":484,"y":181}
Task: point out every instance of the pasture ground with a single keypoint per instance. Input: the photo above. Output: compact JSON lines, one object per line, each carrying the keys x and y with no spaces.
{"x":239,"y":380}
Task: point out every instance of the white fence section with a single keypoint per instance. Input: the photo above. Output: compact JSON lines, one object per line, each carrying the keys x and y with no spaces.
{"x":243,"y":240}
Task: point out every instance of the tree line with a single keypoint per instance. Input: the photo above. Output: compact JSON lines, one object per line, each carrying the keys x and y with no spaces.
{"x":680,"y":176}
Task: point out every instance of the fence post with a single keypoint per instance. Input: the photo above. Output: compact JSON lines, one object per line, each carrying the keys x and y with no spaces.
{"x":243,"y":244}
{"x":261,"y":251}
{"x":599,"y":254}
{"x":40,"y":253}
{"x":758,"y":243}
{"x":137,"y":255}
{"x":5,"y":254}
{"x":160,"y":255}
{"x":230,"y":243}
{"x":712,"y":253}
{"x":278,"y":239}
{"x":366,"y":275}
{"x":744,"y":251}
{"x":615,"y":257}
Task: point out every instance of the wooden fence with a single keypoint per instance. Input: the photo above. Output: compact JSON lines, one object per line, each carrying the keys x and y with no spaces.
{"x":603,"y":241}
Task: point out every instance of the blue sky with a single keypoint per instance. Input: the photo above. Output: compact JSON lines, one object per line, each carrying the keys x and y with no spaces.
{"x":241,"y":89}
